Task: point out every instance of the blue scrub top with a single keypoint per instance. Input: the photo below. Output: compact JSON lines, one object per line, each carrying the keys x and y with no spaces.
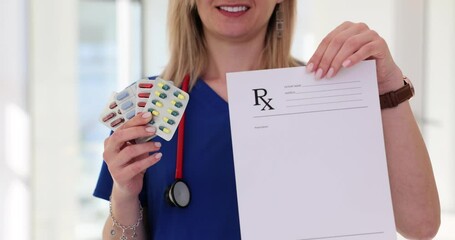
{"x":208,"y":168}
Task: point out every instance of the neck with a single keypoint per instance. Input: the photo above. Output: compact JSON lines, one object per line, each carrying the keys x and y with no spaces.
{"x":232,"y":56}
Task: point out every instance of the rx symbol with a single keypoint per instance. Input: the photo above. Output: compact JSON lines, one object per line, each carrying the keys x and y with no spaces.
{"x":259,"y":95}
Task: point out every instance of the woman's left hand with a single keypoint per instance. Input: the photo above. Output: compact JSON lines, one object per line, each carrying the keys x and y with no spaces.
{"x":349,"y":44}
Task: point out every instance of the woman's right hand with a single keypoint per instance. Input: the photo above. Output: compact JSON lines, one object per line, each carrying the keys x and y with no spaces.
{"x":126,"y":161}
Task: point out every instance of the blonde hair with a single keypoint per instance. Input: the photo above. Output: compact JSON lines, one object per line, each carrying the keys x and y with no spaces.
{"x":188,"y":52}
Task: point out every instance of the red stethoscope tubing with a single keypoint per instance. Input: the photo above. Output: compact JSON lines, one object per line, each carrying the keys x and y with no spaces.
{"x":181,"y":136}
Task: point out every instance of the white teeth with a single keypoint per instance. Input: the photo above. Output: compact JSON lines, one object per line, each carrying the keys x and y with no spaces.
{"x":234,"y":9}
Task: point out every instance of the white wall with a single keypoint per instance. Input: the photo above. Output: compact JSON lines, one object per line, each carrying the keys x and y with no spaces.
{"x":409,"y":51}
{"x":15,"y":199}
{"x":53,"y":99}
{"x":318,"y":17}
{"x":41,"y":36}
{"x":440,"y":86}
{"x":400,"y":23}
{"x":155,"y":50}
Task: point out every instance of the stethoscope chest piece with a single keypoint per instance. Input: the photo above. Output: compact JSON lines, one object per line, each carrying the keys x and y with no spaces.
{"x":178,"y":194}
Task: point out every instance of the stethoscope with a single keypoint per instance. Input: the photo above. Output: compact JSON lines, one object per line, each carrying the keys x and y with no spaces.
{"x":178,"y":193}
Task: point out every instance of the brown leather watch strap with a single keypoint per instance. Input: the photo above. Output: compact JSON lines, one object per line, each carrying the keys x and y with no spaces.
{"x":393,"y":98}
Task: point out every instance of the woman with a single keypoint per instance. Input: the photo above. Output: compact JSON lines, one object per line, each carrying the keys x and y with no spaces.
{"x":209,"y":38}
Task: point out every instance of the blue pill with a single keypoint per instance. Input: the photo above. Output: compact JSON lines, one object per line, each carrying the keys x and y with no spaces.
{"x":127,"y":105}
{"x":130,"y":114}
{"x":122,"y":95}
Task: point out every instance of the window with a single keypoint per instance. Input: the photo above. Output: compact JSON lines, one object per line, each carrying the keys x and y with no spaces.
{"x":109,"y":59}
{"x":82,"y":50}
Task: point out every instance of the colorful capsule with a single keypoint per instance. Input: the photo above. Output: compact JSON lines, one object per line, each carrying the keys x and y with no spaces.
{"x":109,"y":116}
{"x":164,"y":86}
{"x":176,"y":104}
{"x":130,"y":115}
{"x":113,"y":105}
{"x":164,"y":129}
{"x":144,"y":95}
{"x":117,"y":122}
{"x":141,"y":104}
{"x":145,"y":85}
{"x":127,"y":105}
{"x":154,"y":112}
{"x":173,"y":112}
{"x":179,"y":95}
{"x":157,"y":103}
{"x":160,"y":94}
{"x":122,"y":95}
{"x":168,"y":121}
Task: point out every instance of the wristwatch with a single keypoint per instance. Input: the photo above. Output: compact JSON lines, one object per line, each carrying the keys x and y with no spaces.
{"x":393,"y":98}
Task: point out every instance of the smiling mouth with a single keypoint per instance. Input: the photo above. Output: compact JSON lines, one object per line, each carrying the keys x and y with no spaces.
{"x":233,"y":9}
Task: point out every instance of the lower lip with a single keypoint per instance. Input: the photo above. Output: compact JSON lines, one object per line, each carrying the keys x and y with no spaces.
{"x":232,"y":14}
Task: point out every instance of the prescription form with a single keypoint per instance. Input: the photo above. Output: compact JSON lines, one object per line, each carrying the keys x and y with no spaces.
{"x":309,"y":155}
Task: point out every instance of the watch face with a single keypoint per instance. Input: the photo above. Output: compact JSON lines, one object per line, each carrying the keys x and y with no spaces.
{"x":408,"y":82}
{"x":394,"y":98}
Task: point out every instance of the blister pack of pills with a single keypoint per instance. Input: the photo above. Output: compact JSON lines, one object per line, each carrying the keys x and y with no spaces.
{"x":112,"y":117}
{"x":166,"y":102}
{"x":126,"y":101}
{"x":143,"y":90}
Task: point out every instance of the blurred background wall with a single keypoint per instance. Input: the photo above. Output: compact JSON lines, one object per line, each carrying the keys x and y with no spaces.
{"x":60,"y":60}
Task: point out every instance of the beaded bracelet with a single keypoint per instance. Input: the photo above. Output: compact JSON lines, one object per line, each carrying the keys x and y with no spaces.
{"x":115,"y":223}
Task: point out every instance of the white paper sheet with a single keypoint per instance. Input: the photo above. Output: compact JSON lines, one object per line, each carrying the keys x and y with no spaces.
{"x":309,"y":155}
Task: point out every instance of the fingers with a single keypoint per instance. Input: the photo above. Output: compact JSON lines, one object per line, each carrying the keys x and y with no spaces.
{"x":352,"y":46}
{"x":329,"y":46}
{"x":370,"y":50}
{"x":345,"y":46}
{"x":139,"y":119}
{"x":123,"y":135}
{"x":314,"y":61}
{"x":135,"y":150}
{"x":126,"y":161}
{"x":134,"y":169}
{"x":132,"y":161}
{"x":132,"y":129}
{"x":137,"y":168}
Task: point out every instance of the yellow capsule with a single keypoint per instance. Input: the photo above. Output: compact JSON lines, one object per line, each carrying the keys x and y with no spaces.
{"x":154,"y":112}
{"x":160,"y":94}
{"x":164,"y":86}
{"x":164,"y":129}
{"x":157,"y":103}
{"x":179,"y":95}
{"x":168,"y":121}
{"x":172,"y":112}
{"x":176,"y":104}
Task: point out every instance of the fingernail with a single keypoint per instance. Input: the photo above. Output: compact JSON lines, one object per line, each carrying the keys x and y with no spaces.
{"x":146,"y":115}
{"x":150,"y":129}
{"x":157,"y":144}
{"x":158,"y":155}
{"x":346,"y":63}
{"x":309,"y":67}
{"x":319,"y":74}
{"x":330,"y":73}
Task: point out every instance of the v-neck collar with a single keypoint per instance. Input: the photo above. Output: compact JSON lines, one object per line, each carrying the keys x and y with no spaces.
{"x":210,"y":93}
